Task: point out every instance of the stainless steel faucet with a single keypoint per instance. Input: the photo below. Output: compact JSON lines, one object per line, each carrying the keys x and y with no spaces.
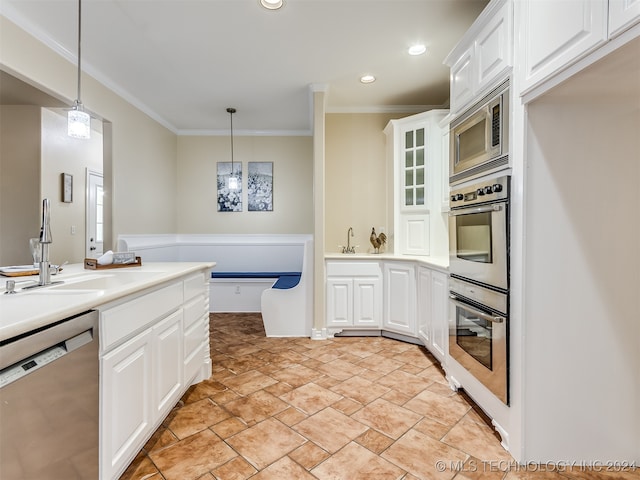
{"x":45,"y":240}
{"x":349,"y":248}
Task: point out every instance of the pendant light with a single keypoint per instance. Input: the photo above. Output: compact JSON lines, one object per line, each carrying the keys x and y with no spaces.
{"x":233,"y":180}
{"x":79,"y":121}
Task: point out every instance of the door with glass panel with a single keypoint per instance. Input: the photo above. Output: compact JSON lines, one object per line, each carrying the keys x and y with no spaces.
{"x":95,"y":215}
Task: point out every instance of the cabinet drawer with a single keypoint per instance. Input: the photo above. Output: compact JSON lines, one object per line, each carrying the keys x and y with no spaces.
{"x":119,"y":322}
{"x":195,"y":285}
{"x":353,"y":269}
{"x":194,"y":310}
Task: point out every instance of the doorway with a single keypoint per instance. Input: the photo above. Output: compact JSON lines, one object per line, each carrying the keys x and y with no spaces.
{"x":95,"y":215}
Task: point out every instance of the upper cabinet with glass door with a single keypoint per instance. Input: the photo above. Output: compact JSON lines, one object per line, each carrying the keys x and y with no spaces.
{"x":415,"y":151}
{"x":414,"y":168}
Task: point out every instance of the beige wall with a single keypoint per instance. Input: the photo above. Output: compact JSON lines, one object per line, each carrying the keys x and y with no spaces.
{"x":356,"y":169}
{"x":63,"y":154}
{"x":19,"y":182}
{"x":144,"y":152}
{"x":292,"y":159}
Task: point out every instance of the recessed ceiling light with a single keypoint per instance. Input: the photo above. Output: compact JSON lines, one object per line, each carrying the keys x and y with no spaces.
{"x":272,"y":4}
{"x":417,"y":49}
{"x":367,"y":79}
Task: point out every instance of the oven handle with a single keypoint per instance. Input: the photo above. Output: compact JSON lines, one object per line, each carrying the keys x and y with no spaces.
{"x":486,"y":208}
{"x":475,"y":311}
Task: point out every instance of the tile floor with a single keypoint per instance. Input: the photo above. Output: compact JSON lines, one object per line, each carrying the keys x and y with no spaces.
{"x":346,"y":408}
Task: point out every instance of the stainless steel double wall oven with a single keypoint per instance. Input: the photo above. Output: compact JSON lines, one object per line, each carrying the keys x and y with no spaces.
{"x":479,"y":283}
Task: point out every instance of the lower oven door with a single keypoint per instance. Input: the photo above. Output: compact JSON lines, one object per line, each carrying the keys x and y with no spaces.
{"x":478,"y":248}
{"x":478,"y":342}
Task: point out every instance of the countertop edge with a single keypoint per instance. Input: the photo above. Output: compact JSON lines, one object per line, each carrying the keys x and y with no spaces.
{"x":439,"y":263}
{"x":77,"y":304}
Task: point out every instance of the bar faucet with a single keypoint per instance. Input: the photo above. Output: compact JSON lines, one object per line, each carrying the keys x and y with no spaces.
{"x":349,"y":248}
{"x":45,"y":240}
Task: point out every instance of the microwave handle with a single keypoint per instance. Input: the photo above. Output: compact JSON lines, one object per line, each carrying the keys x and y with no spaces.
{"x":466,"y":211}
{"x":475,"y":311}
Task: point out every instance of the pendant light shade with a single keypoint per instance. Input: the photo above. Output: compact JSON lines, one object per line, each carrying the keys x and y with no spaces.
{"x":233,"y":180}
{"x":79,"y":121}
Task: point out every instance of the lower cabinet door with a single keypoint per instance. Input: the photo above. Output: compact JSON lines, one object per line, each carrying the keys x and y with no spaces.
{"x":126,"y":416}
{"x":339,"y":302}
{"x":424,"y":306}
{"x":400,"y":298}
{"x":439,"y":315}
{"x":367,"y":302}
{"x":195,"y":342}
{"x":167,"y":363}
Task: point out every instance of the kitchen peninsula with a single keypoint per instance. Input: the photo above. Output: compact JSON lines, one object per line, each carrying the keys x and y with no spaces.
{"x":153,"y":331}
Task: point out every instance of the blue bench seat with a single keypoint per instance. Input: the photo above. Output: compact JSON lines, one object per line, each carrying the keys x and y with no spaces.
{"x":284,"y":280}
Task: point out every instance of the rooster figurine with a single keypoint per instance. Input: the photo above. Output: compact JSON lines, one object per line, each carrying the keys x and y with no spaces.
{"x":377,"y":240}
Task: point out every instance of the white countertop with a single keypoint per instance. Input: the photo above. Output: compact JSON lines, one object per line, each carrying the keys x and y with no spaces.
{"x":38,"y":307}
{"x":441,"y":263}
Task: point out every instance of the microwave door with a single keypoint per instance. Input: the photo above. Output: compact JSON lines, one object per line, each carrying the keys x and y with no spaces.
{"x":471,"y":140}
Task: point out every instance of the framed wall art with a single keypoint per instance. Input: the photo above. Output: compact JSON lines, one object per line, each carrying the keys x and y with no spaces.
{"x":67,"y":187}
{"x":260,"y":186}
{"x":229,"y":199}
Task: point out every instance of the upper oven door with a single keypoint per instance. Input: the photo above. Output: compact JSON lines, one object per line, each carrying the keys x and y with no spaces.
{"x":478,"y":244}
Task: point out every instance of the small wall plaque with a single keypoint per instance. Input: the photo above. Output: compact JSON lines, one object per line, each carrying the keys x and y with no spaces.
{"x":67,"y":187}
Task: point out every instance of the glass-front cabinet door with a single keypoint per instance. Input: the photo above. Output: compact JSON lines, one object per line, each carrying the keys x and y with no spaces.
{"x":414,"y":168}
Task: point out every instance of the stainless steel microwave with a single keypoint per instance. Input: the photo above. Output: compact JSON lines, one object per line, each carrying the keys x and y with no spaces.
{"x":480,"y":137}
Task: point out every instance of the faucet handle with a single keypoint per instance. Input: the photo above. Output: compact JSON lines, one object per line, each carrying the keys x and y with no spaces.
{"x":10,"y":287}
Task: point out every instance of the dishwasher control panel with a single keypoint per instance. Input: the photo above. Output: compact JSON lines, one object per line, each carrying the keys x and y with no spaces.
{"x":28,"y":365}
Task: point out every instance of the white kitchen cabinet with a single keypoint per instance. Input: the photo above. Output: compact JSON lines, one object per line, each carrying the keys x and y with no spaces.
{"x":483,"y":56}
{"x":439,"y":296}
{"x":154,"y":345}
{"x":196,"y":327}
{"x":493,"y":47}
{"x":432,"y":311}
{"x":367,"y":302}
{"x":461,"y":80}
{"x":424,"y":305}
{"x":622,"y":15}
{"x":400,"y":298}
{"x":167,"y":363}
{"x":354,"y":295}
{"x":556,"y":34}
{"x":126,"y":396}
{"x":196,"y":334}
{"x":416,"y":150}
{"x":339,"y":302}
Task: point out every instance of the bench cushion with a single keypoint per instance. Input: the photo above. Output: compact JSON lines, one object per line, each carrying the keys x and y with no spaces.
{"x":287,"y":281}
{"x":215,"y":274}
{"x":284,"y":280}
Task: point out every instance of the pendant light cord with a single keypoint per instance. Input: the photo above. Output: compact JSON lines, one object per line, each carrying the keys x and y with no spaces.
{"x":79,"y":49}
{"x":231,"y":111}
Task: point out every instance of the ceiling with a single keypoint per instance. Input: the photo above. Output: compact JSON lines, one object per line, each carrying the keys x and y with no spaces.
{"x":184,"y":62}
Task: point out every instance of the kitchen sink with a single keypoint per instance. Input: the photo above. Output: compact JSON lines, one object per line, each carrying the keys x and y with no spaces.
{"x":99,"y":281}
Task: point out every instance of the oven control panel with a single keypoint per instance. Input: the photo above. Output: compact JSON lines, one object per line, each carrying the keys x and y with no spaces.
{"x":486,"y":191}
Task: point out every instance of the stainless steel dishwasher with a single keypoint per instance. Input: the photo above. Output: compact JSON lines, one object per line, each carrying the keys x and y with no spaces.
{"x":49,"y":402}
